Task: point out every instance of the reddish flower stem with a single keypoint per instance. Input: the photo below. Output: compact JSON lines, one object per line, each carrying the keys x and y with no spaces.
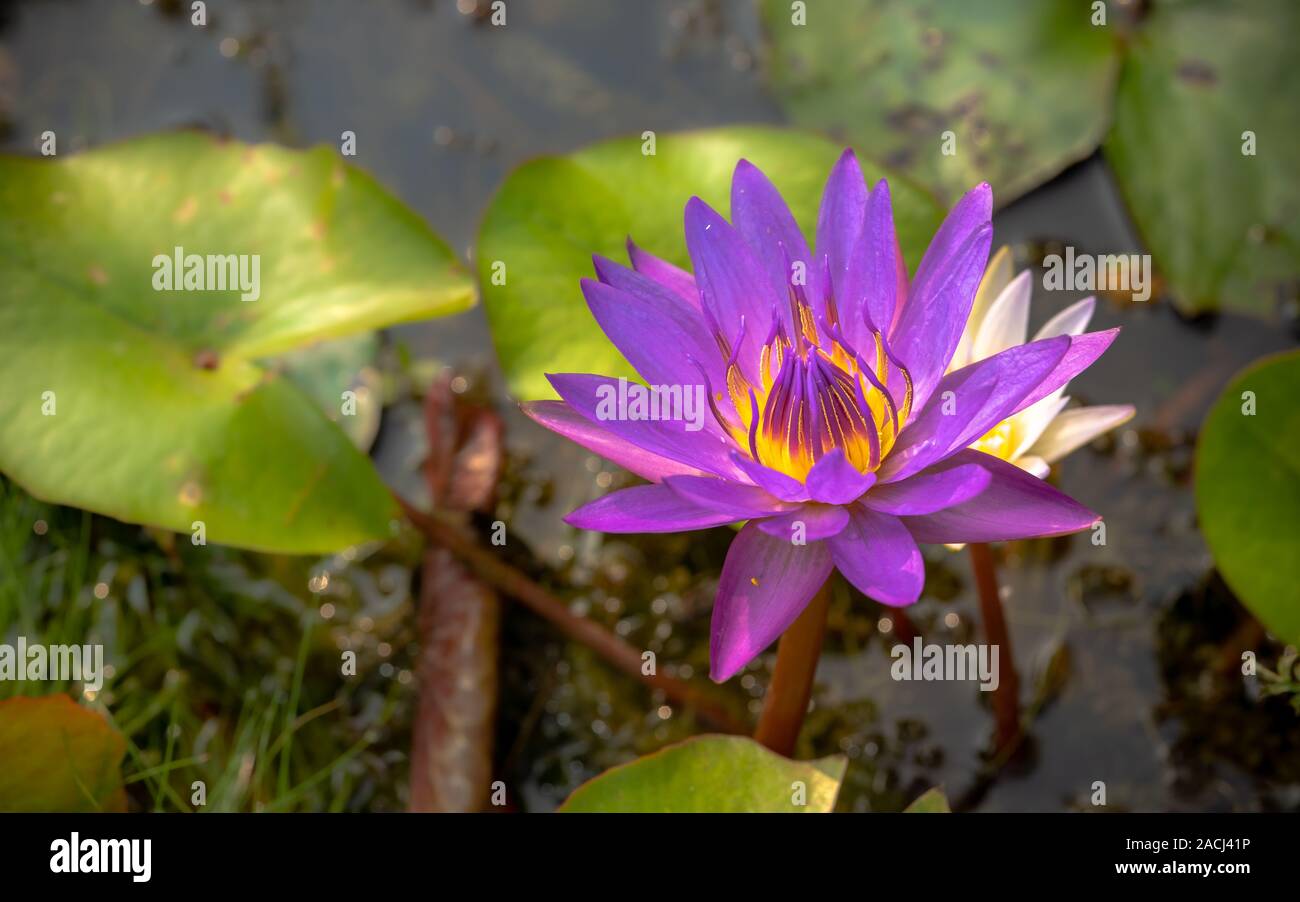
{"x":1006,"y":698}
{"x":797,"y":653}
{"x":904,"y":629}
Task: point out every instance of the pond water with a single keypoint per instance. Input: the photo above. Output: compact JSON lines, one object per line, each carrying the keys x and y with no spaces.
{"x":1118,"y":647}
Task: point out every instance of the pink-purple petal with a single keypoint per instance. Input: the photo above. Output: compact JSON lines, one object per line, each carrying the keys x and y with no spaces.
{"x":662,"y":337}
{"x":705,"y":449}
{"x":969,"y":402}
{"x":833,"y":480}
{"x":742,"y":500}
{"x":734,"y":290}
{"x":783,"y":486}
{"x":1014,"y":505}
{"x":765,"y":222}
{"x":674,"y":278}
{"x":1083,"y":352}
{"x":878,"y":555}
{"x":884,"y":273}
{"x":766,"y":583}
{"x":645,"y":508}
{"x":562,"y":419}
{"x":943,"y":485}
{"x":839,"y":232}
{"x":933,"y":317}
{"x":811,"y":522}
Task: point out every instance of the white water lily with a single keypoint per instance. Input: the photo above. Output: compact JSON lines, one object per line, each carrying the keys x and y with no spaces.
{"x":1044,"y":432}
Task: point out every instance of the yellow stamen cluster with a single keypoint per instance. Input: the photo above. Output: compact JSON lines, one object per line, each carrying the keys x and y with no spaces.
{"x":813,"y":395}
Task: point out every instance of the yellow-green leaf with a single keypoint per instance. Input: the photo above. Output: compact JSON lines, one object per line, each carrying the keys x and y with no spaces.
{"x":148,"y":405}
{"x":723,"y":774}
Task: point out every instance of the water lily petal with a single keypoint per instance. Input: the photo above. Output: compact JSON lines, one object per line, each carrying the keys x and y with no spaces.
{"x":839,"y":230}
{"x":997,"y":276}
{"x":1030,"y":422}
{"x":833,"y":480}
{"x":787,"y":488}
{"x":763,"y":219}
{"x":766,"y":583}
{"x":878,"y":555}
{"x":1070,"y":321}
{"x":1014,"y":505}
{"x":1075,"y":428}
{"x":943,"y":485}
{"x":982,"y":395}
{"x":1084,"y":350}
{"x":675,"y":279}
{"x":814,"y":522}
{"x":733,"y":285}
{"x":663,"y":338}
{"x":559,"y":417}
{"x":884,"y":273}
{"x":1035,"y":466}
{"x":703,"y":450}
{"x":930,"y":324}
{"x":1007,"y":322}
{"x":743,"y":500}
{"x":646,"y":508}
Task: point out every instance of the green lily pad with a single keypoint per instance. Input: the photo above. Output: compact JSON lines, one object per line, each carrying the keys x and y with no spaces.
{"x":147,"y":405}
{"x":1248,"y":490}
{"x":1025,"y":88}
{"x":552,"y":214}
{"x":1223,"y":226}
{"x":721,"y":774}
{"x":58,"y":756}
{"x":932,"y":801}
{"x":327,"y":371}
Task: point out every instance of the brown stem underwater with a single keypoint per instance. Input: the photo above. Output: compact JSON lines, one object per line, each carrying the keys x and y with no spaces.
{"x":515,"y":584}
{"x":1006,"y":698}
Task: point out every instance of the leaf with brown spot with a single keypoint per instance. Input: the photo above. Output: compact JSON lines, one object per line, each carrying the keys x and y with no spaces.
{"x":1026,"y":88}
{"x":164,"y":414}
{"x":1223,"y":226}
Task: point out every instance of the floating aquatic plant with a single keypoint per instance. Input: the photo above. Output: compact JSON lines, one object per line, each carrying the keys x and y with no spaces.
{"x":835,"y":428}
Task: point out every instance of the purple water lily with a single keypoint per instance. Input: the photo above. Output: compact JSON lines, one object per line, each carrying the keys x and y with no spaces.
{"x":832,"y":428}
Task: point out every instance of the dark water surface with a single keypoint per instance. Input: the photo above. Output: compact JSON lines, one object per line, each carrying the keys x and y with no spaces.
{"x":1116,"y":645}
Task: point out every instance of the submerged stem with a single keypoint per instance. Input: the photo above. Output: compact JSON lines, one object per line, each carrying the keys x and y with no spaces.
{"x":1006,"y":698}
{"x":797,"y":654}
{"x":515,"y":584}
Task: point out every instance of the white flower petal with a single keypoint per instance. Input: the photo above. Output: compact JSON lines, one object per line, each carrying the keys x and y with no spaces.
{"x":997,"y":276}
{"x":1035,"y":466}
{"x":1034,"y":420}
{"x":1075,"y":428}
{"x":1070,"y":321}
{"x":1007,"y":322}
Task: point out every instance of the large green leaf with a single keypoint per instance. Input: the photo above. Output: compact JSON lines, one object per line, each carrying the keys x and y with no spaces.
{"x":1248,"y":490}
{"x":57,"y":756}
{"x":160,"y":415}
{"x":1223,"y":226}
{"x":554,"y":213}
{"x":1025,"y":88}
{"x":721,"y":774}
{"x":326,"y":371}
